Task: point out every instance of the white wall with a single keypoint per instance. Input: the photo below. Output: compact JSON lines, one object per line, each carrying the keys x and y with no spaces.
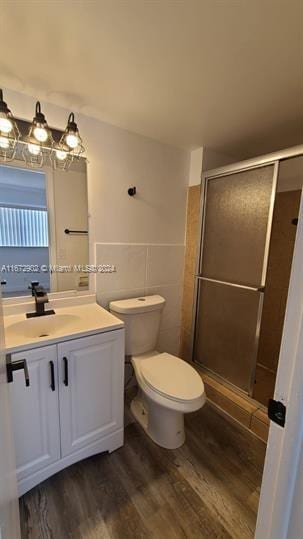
{"x":145,"y":269}
{"x":213,"y":159}
{"x":195,"y":168}
{"x":118,"y":159}
{"x":296,"y":516}
{"x":203,"y":159}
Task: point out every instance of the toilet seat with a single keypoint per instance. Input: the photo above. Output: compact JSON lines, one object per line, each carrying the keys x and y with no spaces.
{"x":172,"y":377}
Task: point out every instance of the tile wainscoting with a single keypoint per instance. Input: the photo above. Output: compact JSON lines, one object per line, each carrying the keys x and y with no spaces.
{"x":145,"y":269}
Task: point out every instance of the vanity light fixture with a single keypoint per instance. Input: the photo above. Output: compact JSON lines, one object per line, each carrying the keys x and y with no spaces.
{"x":71,"y":138}
{"x":61,"y":155}
{"x":34,"y":149}
{"x":38,"y":147}
{"x":62,"y":158}
{"x":34,"y":154}
{"x":6,"y":123}
{"x":39,"y":141}
{"x":9,"y":132}
{"x":70,"y":146}
{"x":4,"y":143}
{"x":39,"y":128}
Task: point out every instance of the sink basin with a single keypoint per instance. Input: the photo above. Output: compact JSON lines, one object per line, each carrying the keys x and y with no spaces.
{"x":43,"y":326}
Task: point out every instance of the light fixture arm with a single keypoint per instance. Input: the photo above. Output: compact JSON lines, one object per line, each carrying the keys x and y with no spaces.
{"x":39,"y":117}
{"x":71,"y":124}
{"x":3,"y":106}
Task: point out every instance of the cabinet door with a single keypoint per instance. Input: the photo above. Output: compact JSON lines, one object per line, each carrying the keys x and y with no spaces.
{"x":35,"y":411}
{"x":91,"y":376}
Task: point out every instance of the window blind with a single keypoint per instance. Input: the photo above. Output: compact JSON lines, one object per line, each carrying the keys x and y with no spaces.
{"x":23,"y":227}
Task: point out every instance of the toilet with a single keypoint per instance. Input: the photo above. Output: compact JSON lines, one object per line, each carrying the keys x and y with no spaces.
{"x":168,"y":386}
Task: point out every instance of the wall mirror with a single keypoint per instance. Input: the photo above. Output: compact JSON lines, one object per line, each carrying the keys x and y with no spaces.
{"x":43,"y":228}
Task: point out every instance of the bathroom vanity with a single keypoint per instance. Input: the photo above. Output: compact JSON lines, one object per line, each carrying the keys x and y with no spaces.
{"x":73,"y":405}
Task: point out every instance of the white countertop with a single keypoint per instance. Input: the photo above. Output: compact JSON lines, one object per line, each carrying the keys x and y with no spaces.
{"x":73,"y":319}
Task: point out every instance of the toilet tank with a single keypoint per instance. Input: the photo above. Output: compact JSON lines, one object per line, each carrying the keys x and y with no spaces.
{"x":142,"y":318}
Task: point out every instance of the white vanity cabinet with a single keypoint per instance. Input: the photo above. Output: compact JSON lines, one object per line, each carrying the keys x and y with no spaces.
{"x":90,"y":390}
{"x":73,"y":407}
{"x":35,"y":412}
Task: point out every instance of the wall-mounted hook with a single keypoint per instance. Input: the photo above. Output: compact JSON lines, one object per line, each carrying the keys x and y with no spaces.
{"x":132,"y":191}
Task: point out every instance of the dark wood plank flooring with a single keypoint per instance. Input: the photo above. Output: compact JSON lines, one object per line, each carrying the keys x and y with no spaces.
{"x":209,"y":488}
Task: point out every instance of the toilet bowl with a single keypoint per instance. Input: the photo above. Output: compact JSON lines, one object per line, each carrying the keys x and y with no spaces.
{"x":168,"y":386}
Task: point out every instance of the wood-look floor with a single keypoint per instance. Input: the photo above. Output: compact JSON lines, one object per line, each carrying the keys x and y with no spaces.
{"x":209,"y":488}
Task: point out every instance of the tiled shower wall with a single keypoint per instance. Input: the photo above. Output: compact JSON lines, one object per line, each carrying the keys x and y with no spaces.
{"x":282,"y":243}
{"x":145,"y":269}
{"x":191,"y":252}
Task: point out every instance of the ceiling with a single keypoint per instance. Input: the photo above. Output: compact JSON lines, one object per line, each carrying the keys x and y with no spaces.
{"x":225,"y":74}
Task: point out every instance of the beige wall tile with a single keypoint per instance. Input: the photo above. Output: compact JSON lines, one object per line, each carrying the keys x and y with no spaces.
{"x":187,"y":307}
{"x":277,"y":281}
{"x":105,"y":297}
{"x":169,"y":341}
{"x":171,"y":315}
{"x":192,"y":236}
{"x":130,"y":262}
{"x":185,"y":345}
{"x":165,"y":264}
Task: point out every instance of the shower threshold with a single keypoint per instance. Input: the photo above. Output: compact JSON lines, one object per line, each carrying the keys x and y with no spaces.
{"x":233,"y":402}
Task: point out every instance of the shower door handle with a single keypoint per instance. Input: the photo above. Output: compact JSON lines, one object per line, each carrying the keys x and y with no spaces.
{"x":227,"y":283}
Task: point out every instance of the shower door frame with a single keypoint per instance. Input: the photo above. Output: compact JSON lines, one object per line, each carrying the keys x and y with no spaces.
{"x":282,"y":461}
{"x":205,"y":179}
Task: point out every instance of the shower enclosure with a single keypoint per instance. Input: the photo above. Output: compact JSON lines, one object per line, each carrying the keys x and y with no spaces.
{"x":238,"y":204}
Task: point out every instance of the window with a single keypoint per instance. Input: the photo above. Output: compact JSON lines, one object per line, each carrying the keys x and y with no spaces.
{"x":23,"y":227}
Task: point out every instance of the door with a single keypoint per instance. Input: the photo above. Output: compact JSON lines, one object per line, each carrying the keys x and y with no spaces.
{"x":9,"y":509}
{"x":35,"y":411}
{"x":91,"y":374}
{"x":238,"y":209}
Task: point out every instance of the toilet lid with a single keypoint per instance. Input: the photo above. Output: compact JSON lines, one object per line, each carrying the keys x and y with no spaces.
{"x":172,"y":377}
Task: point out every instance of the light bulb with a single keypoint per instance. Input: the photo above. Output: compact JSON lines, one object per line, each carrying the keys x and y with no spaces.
{"x":72,"y":140}
{"x":40,"y":134}
{"x":5,"y":124}
{"x":4,"y":143}
{"x":34,"y":149}
{"x":61,"y":155}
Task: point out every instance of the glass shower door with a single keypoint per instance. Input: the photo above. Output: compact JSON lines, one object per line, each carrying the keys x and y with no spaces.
{"x":238,"y":210}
